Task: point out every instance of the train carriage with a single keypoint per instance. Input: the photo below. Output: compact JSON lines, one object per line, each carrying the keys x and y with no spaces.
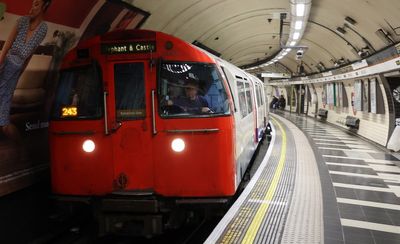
{"x":142,"y":118}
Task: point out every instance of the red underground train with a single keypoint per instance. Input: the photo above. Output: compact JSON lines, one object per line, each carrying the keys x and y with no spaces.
{"x":144,"y":123}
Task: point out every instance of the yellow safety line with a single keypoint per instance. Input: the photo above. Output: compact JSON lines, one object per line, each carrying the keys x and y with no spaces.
{"x":255,"y":224}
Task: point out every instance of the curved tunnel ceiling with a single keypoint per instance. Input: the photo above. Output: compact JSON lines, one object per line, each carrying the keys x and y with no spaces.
{"x":245,"y":32}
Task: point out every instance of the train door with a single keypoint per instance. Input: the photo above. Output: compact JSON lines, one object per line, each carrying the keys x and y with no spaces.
{"x":80,"y":150}
{"x":260,"y":112}
{"x":131,"y":133}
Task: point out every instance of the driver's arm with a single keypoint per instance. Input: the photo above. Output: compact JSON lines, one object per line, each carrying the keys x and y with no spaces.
{"x":206,"y":110}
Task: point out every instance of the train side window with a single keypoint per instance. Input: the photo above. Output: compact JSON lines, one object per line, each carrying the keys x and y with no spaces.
{"x":129,"y":91}
{"x":230,"y":88}
{"x":259,"y":96}
{"x":248,"y":98}
{"x":242,"y":98}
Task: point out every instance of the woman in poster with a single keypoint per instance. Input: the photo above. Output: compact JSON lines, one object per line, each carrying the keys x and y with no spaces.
{"x":23,"y":40}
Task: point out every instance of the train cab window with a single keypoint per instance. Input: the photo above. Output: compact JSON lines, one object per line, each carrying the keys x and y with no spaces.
{"x":191,"y":90}
{"x":129,"y":91}
{"x":79,"y":94}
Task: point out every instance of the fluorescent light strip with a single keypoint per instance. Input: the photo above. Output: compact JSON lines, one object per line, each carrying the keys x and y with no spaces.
{"x":300,"y":9}
{"x":298,"y":25}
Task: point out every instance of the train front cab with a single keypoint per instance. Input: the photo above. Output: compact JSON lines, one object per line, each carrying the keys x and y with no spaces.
{"x":118,"y":144}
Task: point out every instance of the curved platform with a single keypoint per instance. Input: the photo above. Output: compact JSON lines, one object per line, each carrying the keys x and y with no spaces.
{"x":316,"y":185}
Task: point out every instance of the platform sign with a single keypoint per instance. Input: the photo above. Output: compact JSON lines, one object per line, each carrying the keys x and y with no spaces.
{"x":275,"y":75}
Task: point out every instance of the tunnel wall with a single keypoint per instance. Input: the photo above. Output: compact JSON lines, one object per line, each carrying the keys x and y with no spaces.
{"x":373,"y":126}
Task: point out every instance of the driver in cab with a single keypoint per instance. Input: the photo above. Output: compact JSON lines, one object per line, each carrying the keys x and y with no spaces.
{"x":191,"y":102}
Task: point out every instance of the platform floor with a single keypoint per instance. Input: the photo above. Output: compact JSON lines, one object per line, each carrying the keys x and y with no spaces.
{"x":317,"y":184}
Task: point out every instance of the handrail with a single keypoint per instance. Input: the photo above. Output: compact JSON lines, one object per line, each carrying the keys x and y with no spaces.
{"x":211,"y":130}
{"x":105,"y":113}
{"x":153,"y":109}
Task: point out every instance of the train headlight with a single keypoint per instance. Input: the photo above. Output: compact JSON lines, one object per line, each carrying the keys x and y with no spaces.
{"x":88,"y":146}
{"x":178,"y":145}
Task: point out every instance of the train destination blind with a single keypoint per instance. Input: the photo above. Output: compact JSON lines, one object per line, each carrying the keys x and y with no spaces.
{"x":129,"y":47}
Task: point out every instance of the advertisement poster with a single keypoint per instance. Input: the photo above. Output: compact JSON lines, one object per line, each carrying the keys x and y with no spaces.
{"x":358,"y":96}
{"x":26,"y":97}
{"x":366,"y":103}
{"x":372,"y":95}
{"x":334,"y":94}
{"x":324,"y":96}
{"x":339,"y":94}
{"x":394,"y":84}
{"x":330,"y":94}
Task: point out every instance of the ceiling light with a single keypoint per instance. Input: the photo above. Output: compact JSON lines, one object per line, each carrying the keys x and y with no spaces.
{"x":296,"y":35}
{"x":298,"y":24}
{"x":292,"y":43}
{"x":341,"y":30}
{"x":350,"y":21}
{"x":300,"y":9}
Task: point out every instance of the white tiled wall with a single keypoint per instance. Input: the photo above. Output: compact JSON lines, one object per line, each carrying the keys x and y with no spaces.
{"x":374,"y":127}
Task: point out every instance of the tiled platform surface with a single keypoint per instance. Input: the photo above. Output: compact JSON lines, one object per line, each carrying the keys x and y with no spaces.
{"x":282,"y":203}
{"x":317,"y":184}
{"x":365,"y":180}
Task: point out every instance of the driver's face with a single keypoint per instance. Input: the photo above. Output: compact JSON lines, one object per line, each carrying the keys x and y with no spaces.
{"x":191,"y":92}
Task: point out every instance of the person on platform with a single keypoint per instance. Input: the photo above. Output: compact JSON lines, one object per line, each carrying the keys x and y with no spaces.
{"x":282,"y":102}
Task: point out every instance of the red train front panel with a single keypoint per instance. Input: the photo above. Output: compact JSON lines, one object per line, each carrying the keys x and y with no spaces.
{"x":140,"y":134}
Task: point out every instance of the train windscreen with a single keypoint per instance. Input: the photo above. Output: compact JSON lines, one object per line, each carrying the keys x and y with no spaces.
{"x":191,"y":90}
{"x":79,"y":94}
